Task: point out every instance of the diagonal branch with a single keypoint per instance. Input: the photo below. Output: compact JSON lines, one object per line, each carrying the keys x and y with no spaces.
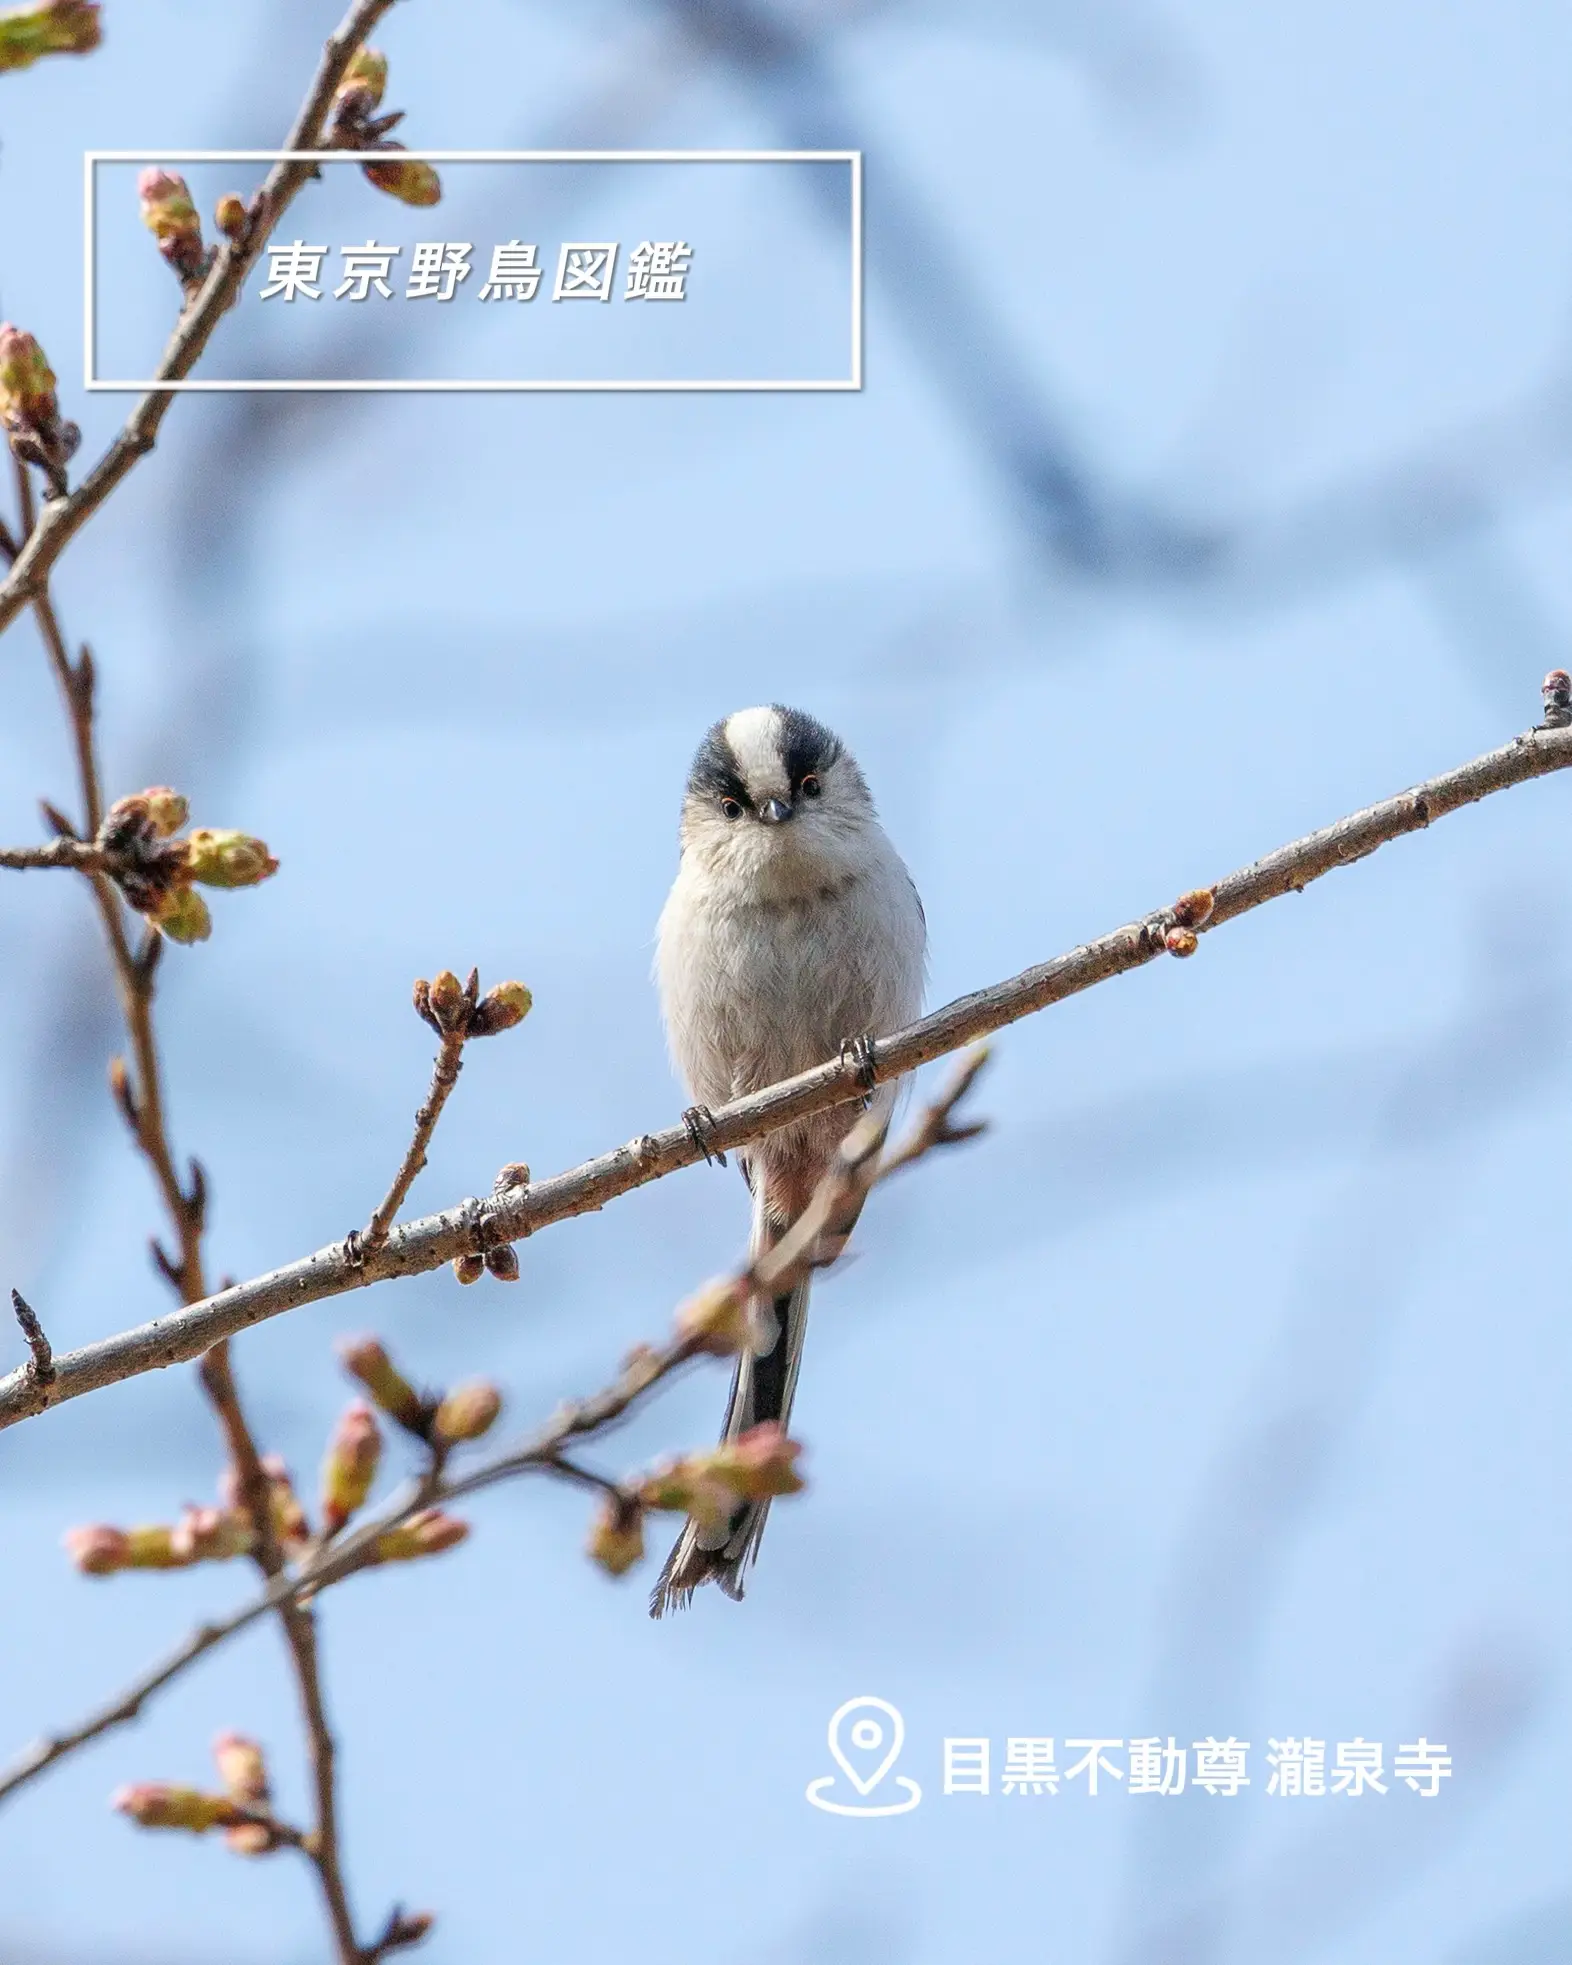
{"x":476,"y":1225}
{"x":63,"y":518}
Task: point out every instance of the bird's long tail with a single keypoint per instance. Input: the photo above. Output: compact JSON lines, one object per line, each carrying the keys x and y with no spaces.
{"x":762,"y":1388}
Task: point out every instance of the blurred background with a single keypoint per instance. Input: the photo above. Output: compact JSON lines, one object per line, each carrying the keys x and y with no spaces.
{"x":1210,"y":480}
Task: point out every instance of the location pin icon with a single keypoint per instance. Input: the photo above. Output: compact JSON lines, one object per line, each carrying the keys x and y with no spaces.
{"x":866,"y":1736}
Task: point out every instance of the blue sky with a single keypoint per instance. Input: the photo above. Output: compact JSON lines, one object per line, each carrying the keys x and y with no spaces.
{"x":1221,"y":1388}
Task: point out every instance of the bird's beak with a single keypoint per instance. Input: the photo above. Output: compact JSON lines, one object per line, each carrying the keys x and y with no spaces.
{"x":774,"y":811}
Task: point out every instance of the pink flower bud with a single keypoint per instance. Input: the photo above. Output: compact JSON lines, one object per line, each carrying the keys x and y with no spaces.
{"x":427,"y":1534}
{"x":616,"y":1539}
{"x":467,"y":1412}
{"x":161,"y":1805}
{"x":716,"y":1319}
{"x":242,"y":1769}
{"x":350,"y":1466}
{"x":365,"y":1358}
{"x":98,"y":1550}
{"x":227,"y":859}
{"x":60,"y":27}
{"x":759,"y":1463}
{"x":407,"y":179}
{"x":181,"y":914}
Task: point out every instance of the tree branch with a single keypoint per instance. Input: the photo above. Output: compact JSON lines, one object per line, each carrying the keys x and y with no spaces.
{"x":63,"y":518}
{"x":476,"y":1225}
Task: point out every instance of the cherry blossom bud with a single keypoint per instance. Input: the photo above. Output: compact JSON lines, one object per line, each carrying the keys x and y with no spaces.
{"x":350,"y":1466}
{"x":467,"y":1412}
{"x":368,"y":71}
{"x":759,"y":1463}
{"x":616,"y":1539}
{"x":171,"y":217}
{"x":427,"y":1534}
{"x":716,"y":1319}
{"x":61,"y":27}
{"x":151,"y":1545}
{"x":409,"y":180}
{"x":514,"y":1174}
{"x":211,"y":1535}
{"x":500,"y":1009}
{"x":27,"y":382}
{"x":181,"y":914}
{"x":229,"y":215}
{"x":469,"y":1268}
{"x":242,"y":1769}
{"x":364,"y":1358}
{"x":227,"y":859}
{"x":445,"y":999}
{"x":503,"y":1262}
{"x":1194,"y":910}
{"x":166,"y":810}
{"x":1181,"y":941}
{"x":98,"y":1550}
{"x":161,"y":1805}
{"x":1557,"y":692}
{"x":688,"y":1487}
{"x":30,"y":409}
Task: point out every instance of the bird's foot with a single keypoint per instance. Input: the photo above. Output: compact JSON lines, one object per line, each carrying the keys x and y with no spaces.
{"x":857,"y":1053}
{"x":700,"y":1122}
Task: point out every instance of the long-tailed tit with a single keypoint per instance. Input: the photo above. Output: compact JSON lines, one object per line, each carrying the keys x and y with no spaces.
{"x":792,"y":929}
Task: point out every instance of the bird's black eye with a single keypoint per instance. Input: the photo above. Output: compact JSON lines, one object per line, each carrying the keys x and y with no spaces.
{"x":810,"y":786}
{"x":731,"y":808}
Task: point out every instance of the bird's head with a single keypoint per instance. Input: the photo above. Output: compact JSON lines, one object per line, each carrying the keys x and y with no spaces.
{"x":776,"y":801}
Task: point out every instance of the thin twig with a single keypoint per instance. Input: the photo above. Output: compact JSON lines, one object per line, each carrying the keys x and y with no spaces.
{"x":544,"y":1452}
{"x":78,"y":854}
{"x":63,"y":518}
{"x":474,"y":1225}
{"x":444,"y":1076}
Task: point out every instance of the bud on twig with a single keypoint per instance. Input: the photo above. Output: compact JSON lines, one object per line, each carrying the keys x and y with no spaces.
{"x":501,"y":1008}
{"x":503,"y":1262}
{"x":616,"y":1539}
{"x":350,"y":1466}
{"x":1181,"y":941}
{"x":171,"y":217}
{"x":717,"y":1318}
{"x":30,"y":409}
{"x":427,"y":1534}
{"x":211,"y":1535}
{"x":61,"y":27}
{"x":183,"y":916}
{"x":411,"y":180}
{"x":759,"y":1464}
{"x":99,"y":1550}
{"x":229,"y":215}
{"x":242,"y":1769}
{"x":1557,"y":692}
{"x":364,"y":81}
{"x":1194,"y":910}
{"x":469,"y":1268}
{"x":160,"y":1805}
{"x":227,"y":859}
{"x":467,"y":1412}
{"x":688,"y":1487}
{"x":290,"y":1527}
{"x":366,"y":1359}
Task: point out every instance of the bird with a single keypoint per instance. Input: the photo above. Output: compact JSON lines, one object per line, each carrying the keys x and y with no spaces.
{"x":792,"y":932}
